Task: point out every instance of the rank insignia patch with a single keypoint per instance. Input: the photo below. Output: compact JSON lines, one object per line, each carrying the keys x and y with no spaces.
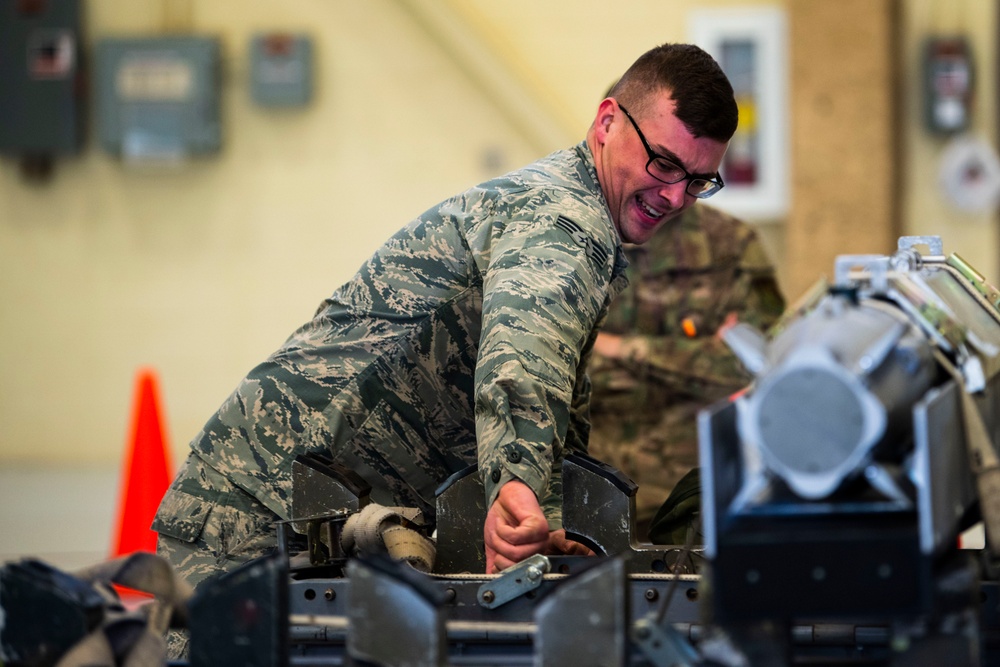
{"x":596,"y":253}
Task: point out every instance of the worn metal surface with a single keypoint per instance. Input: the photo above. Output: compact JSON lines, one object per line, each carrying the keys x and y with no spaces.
{"x":599,"y":511}
{"x":461,"y":513}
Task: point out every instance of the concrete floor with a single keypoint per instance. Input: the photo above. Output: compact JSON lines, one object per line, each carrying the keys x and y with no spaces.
{"x":64,"y":516}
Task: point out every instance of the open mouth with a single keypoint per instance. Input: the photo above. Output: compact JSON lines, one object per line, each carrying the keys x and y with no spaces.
{"x":648,"y":211}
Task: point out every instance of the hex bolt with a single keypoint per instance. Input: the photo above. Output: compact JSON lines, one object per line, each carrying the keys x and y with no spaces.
{"x":534,"y":572}
{"x":329,"y":594}
{"x":488,"y":596}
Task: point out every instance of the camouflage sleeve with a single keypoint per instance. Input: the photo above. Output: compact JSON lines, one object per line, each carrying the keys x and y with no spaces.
{"x":577,"y":437}
{"x":579,"y":414}
{"x":695,"y":368}
{"x":701,"y":366}
{"x":542,"y":294}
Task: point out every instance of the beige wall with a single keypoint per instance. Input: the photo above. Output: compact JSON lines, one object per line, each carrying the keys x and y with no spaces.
{"x":926,"y":210}
{"x":843,"y":136}
{"x":202,"y":271}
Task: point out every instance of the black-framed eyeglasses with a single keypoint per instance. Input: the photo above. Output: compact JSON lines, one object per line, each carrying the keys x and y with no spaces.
{"x":667,"y":171}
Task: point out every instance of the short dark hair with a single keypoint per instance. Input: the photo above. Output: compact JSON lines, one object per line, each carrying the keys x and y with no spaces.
{"x":704,"y":97}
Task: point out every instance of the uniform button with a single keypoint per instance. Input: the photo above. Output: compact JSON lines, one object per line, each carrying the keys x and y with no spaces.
{"x":514,"y":456}
{"x":496,"y":475}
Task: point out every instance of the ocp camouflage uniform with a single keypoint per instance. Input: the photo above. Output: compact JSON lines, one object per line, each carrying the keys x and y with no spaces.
{"x":682,"y":285}
{"x":470,"y":325}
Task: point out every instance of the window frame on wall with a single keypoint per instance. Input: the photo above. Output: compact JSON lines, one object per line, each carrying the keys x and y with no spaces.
{"x":766,"y":102}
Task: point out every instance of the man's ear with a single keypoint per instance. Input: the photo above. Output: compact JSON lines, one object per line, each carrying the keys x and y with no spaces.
{"x":605,"y":116}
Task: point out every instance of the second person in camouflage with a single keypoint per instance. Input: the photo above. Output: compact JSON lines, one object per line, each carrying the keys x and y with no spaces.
{"x":659,"y":358}
{"x":464,"y":339}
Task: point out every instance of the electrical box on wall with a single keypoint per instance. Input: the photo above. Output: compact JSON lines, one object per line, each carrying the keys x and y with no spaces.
{"x":159,"y":98}
{"x":948,"y":84}
{"x":41,"y":80}
{"x":281,"y":69}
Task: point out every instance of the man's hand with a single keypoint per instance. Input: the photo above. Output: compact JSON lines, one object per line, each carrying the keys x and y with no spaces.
{"x":732,"y":319}
{"x":559,"y":546}
{"x":608,"y":345}
{"x":515,"y":527}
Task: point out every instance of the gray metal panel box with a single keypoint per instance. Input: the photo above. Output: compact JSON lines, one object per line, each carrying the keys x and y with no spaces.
{"x":158,"y":98}
{"x":41,"y":93}
{"x":280,"y":69}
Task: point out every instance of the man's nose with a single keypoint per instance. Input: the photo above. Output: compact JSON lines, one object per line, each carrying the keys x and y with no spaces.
{"x":674,"y":193}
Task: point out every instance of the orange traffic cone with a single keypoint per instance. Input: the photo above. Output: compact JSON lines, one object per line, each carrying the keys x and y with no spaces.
{"x":146,"y":473}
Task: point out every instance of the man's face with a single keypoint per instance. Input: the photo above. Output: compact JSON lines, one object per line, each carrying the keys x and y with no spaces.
{"x":639,"y":203}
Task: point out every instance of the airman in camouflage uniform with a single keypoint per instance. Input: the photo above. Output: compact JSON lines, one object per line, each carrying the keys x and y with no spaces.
{"x":475,"y":315}
{"x":464,"y":339}
{"x":699,"y":271}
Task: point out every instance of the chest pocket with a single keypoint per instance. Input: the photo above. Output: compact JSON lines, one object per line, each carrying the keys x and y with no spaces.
{"x":686,"y":301}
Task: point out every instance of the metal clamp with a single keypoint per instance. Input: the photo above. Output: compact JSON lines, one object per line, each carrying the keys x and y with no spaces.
{"x":514,"y":582}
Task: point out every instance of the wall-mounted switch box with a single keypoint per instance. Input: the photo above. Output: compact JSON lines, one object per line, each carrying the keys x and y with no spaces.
{"x":41,"y":84}
{"x":159,"y":98}
{"x":281,"y":69}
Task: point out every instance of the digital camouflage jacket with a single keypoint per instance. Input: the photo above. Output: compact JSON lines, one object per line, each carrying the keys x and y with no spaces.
{"x":462,"y":339}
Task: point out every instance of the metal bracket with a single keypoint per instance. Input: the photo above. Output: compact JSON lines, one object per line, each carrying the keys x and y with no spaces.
{"x":848,"y":269}
{"x":514,"y":582}
{"x":934,"y":244}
